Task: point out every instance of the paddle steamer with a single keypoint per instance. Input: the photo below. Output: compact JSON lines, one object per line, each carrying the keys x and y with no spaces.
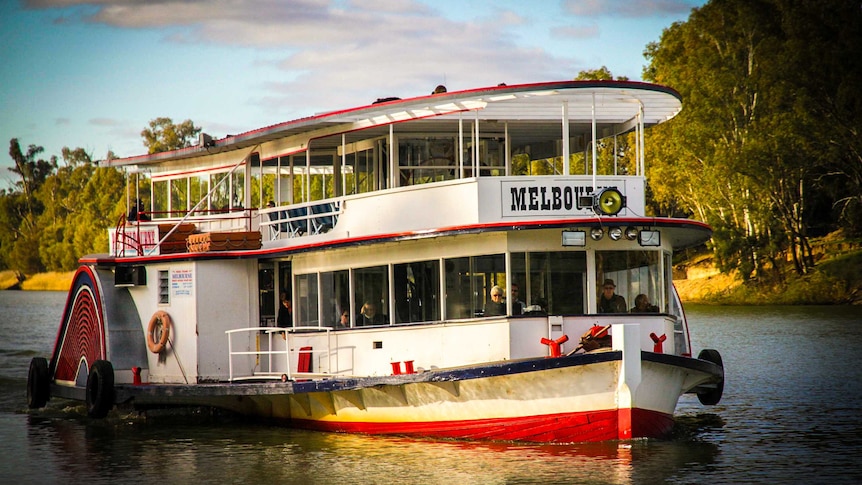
{"x":376,"y":236}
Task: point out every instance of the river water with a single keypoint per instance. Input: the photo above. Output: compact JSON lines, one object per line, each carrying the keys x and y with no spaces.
{"x":791,"y":413}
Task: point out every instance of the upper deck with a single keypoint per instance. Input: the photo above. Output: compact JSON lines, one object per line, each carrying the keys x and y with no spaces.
{"x":482,"y":158}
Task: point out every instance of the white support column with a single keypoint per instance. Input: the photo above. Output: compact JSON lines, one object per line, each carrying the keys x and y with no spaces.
{"x":626,"y":338}
{"x":338,"y":178}
{"x":460,"y":146}
{"x":476,"y":146}
{"x":642,"y":166}
{"x":507,"y":147}
{"x":307,"y":196}
{"x":393,"y":178}
{"x":566,"y":148}
{"x":351,"y":291}
{"x":442,"y":288}
{"x":592,"y":294}
{"x":595,"y":162}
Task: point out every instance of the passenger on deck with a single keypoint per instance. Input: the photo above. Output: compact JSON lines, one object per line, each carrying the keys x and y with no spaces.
{"x":368,"y":315}
{"x":496,"y":306}
{"x":610,"y":302}
{"x":137,"y":212}
{"x":285,"y":312}
{"x":642,"y":305}
{"x":517,"y":304}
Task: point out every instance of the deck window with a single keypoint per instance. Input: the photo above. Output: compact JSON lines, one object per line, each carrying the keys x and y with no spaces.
{"x":179,"y":197}
{"x":305,"y":308}
{"x":334,"y":297}
{"x":221,"y":194}
{"x":634,"y":273}
{"x":160,"y":199}
{"x":371,"y":297}
{"x":468,"y":284}
{"x":551,"y":281}
{"x":417,"y":291}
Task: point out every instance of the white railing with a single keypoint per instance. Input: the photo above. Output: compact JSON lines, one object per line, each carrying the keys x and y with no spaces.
{"x":296,"y":220}
{"x":271,"y":372}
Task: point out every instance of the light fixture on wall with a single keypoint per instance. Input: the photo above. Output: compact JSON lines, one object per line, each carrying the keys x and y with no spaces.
{"x":649,"y":238}
{"x":574,"y":238}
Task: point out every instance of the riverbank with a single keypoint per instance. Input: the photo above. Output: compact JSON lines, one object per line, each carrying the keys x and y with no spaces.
{"x":51,"y":281}
{"x":835,"y":280}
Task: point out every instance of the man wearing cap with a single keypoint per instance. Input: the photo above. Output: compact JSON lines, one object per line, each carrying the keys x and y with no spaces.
{"x":610,"y":302}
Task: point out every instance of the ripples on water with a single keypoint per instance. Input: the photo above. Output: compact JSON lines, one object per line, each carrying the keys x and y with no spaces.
{"x":790,"y":414}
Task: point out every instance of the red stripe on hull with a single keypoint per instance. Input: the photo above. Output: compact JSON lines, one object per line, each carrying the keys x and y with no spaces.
{"x":553,"y":428}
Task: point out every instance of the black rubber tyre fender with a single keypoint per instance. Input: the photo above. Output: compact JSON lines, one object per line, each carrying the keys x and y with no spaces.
{"x":100,"y":389}
{"x":711,"y":397}
{"x":38,"y":383}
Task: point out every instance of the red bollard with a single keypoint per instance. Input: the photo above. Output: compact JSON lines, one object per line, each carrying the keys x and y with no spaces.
{"x":555,"y":344}
{"x":396,"y":368}
{"x":408,"y":367}
{"x":136,"y":376}
{"x":659,"y":346}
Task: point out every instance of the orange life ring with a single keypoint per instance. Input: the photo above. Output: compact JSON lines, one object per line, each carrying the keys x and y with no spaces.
{"x":165,"y":320}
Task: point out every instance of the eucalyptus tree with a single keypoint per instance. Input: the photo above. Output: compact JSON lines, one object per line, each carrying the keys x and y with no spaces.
{"x":740,"y":154}
{"x":163,"y":135}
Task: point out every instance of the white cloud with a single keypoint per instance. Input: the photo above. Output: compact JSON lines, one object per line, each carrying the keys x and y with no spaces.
{"x":577,"y":32}
{"x":628,"y":8}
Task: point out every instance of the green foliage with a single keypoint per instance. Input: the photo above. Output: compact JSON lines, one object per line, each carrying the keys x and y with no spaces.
{"x":163,"y":135}
{"x":57,"y":214}
{"x":845,"y":268}
{"x":741,"y":154}
{"x":600,"y":74}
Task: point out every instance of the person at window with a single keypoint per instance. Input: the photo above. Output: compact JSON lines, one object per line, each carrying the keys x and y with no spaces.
{"x":344,"y":319}
{"x":285,"y":312}
{"x":517,"y":304}
{"x":496,"y":306}
{"x":368,"y":315}
{"x":137,"y":212}
{"x":610,"y":302}
{"x":642,"y":305}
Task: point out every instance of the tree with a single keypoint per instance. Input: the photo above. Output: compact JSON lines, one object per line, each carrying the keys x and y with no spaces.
{"x":163,"y":135}
{"x":740,"y":153}
{"x":600,"y":74}
{"x":22,"y":208}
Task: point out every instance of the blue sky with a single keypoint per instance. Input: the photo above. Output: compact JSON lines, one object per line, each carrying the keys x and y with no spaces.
{"x":93,"y":73}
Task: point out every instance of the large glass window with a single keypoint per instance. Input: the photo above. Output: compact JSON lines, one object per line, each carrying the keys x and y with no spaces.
{"x":549,"y":282}
{"x":238,"y":189}
{"x":428,"y":159}
{"x":633,"y":276}
{"x":220,"y":196}
{"x":160,"y":199}
{"x":371,"y":286}
{"x":335,"y":296}
{"x":469,"y":282}
{"x":417,"y":291}
{"x":179,"y":197}
{"x":305,"y":308}
{"x":199,"y":187}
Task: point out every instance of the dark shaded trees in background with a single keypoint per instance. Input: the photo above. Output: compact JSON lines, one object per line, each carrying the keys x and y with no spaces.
{"x":766,"y":148}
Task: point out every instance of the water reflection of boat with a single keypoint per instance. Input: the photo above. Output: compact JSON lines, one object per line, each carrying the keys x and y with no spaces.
{"x":370,"y":221}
